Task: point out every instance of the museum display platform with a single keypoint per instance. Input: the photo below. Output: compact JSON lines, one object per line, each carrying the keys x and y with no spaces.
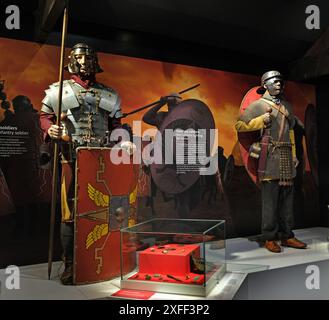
{"x":251,"y":273}
{"x":184,"y":256}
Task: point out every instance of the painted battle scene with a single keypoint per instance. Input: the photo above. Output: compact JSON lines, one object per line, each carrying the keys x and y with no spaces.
{"x":27,"y":69}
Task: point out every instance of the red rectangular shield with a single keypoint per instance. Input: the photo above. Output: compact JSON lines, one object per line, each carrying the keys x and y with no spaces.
{"x":105,"y":196}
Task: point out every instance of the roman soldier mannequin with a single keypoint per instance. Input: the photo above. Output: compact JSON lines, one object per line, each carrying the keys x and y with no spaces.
{"x":90,"y":111}
{"x":273,"y":116}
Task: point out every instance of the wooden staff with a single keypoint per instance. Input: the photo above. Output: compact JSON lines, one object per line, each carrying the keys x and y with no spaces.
{"x":56,"y":146}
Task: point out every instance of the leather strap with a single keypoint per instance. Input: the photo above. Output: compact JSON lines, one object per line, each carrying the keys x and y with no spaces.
{"x":281,"y":109}
{"x":282,"y":126}
{"x":276,"y":107}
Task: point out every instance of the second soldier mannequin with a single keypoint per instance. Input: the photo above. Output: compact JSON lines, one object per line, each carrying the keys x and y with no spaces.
{"x":274,"y":116}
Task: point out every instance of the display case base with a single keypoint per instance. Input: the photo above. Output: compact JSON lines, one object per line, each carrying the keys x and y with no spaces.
{"x":186,"y":289}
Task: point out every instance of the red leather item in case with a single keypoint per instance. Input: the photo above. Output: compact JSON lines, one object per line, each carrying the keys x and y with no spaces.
{"x":168,"y":259}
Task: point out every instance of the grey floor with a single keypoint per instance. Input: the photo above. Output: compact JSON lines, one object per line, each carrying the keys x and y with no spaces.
{"x":242,"y":256}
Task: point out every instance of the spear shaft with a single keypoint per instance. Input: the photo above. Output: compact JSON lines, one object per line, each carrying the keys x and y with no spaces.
{"x":156,"y":102}
{"x":56,"y":146}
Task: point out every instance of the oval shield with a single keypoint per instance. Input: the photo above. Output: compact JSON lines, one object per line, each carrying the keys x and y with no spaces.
{"x":183,"y":142}
{"x":246,"y":139}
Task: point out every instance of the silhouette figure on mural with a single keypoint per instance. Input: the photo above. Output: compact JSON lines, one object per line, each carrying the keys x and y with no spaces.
{"x":20,"y":166}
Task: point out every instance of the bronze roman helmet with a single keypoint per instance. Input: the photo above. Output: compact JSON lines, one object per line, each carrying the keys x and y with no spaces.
{"x":88,"y":65}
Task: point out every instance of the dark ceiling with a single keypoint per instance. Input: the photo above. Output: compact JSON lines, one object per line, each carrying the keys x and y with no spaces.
{"x":245,"y":36}
{"x":273,"y":29}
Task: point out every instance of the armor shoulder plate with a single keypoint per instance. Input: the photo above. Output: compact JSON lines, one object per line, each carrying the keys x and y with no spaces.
{"x":69,"y":99}
{"x":47,"y":102}
{"x":254,"y":110}
{"x":110,"y":101}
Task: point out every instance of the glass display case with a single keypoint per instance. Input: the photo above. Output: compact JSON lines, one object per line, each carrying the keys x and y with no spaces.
{"x":181,"y":256}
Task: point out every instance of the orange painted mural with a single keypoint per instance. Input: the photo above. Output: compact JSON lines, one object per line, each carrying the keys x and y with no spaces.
{"x":28,"y":68}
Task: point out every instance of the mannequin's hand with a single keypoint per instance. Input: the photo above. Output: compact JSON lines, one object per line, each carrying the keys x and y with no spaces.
{"x":295,"y":161}
{"x":55,"y":132}
{"x":267,"y":118}
{"x":128,"y":146}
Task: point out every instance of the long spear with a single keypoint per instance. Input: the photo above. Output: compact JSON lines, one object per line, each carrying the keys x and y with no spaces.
{"x":153,"y":103}
{"x":56,"y":147}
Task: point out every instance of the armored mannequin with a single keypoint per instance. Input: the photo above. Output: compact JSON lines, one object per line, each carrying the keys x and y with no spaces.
{"x":90,"y":111}
{"x":277,"y":163}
